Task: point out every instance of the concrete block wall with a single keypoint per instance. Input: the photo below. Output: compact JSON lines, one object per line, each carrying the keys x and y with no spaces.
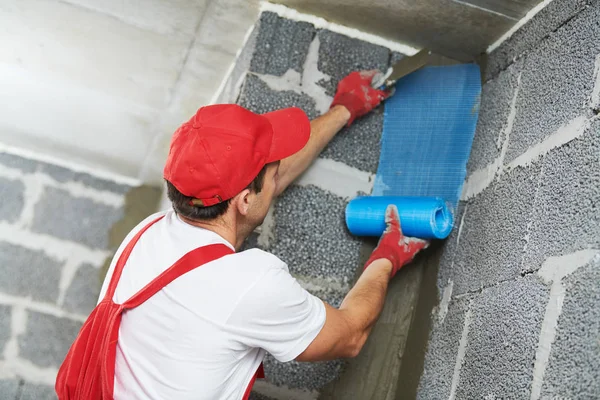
{"x":105,"y":83}
{"x":58,"y":227}
{"x":292,"y":63}
{"x":519,"y":278}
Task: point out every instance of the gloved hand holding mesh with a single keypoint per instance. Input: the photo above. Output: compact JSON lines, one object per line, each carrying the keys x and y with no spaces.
{"x":356,"y":94}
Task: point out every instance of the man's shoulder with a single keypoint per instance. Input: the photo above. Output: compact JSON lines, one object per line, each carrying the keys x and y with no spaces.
{"x":260,"y":259}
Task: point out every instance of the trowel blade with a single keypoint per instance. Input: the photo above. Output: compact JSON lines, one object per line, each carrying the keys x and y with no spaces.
{"x":407,"y":65}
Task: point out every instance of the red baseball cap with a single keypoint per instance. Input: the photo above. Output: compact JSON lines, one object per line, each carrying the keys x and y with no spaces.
{"x":222,"y":148}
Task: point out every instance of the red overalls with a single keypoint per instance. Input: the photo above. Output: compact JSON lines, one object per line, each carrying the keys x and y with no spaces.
{"x":88,"y":371}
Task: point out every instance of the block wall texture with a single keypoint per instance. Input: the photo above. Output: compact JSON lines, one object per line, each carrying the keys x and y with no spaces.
{"x":519,"y":279}
{"x":54,"y":238}
{"x":295,"y":64}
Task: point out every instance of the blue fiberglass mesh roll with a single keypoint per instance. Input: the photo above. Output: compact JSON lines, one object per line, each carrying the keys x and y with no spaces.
{"x":428,"y":130}
{"x":423,"y":217}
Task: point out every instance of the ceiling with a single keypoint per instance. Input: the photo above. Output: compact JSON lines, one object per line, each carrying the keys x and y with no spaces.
{"x":460,"y":29}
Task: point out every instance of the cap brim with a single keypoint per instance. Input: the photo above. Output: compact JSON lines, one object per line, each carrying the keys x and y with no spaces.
{"x":291,"y":130}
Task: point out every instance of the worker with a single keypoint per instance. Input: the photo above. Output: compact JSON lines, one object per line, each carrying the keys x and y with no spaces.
{"x":184,"y":314}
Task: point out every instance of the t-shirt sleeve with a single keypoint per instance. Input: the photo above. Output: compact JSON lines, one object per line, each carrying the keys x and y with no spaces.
{"x":278,"y":315}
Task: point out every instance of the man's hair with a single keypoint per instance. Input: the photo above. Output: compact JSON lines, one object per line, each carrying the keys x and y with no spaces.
{"x":183,"y":206}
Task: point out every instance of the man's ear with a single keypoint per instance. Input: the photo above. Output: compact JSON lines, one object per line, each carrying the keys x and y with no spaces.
{"x":242,"y":201}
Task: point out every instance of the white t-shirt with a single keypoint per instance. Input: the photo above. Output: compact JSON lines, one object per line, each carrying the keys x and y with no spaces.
{"x":204,"y":335}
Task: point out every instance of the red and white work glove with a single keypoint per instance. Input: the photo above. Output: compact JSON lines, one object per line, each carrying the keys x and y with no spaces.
{"x":356,"y":94}
{"x":393,"y":245}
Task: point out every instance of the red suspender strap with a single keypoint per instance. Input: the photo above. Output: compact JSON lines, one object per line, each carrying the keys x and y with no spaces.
{"x":114,"y":280}
{"x":188,"y":262}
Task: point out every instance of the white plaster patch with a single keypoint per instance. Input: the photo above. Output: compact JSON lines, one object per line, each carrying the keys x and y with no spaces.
{"x":291,"y":80}
{"x":552,"y":272}
{"x":566,"y":133}
{"x":337,"y":178}
{"x":311,"y":76}
{"x":460,"y":356}
{"x":54,"y":247}
{"x":446,"y":297}
{"x":595,"y":98}
{"x":518,"y":25}
{"x":283,"y":392}
{"x":323,"y":284}
{"x":321,"y":23}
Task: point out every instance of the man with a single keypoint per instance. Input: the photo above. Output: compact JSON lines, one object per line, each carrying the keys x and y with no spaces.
{"x":205,"y":334}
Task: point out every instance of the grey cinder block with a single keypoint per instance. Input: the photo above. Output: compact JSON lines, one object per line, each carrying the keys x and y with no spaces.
{"x":77,"y":219}
{"x":339,"y":55}
{"x":31,"y":391}
{"x":12,"y":197}
{"x":9,"y":389}
{"x":5,"y":327}
{"x":358,"y":145}
{"x":573,"y":370}
{"x":82,"y":295}
{"x":281,"y":44}
{"x":528,"y":37}
{"x":29,"y":273}
{"x":442,"y":351}
{"x":62,"y":175}
{"x":494,"y":230}
{"x":47,"y":339}
{"x":311,"y":235}
{"x":13,"y":161}
{"x":557,"y":81}
{"x":258,"y":97}
{"x":566,"y":215}
{"x":502,"y":340}
{"x":496,"y":98}
{"x":302,"y":375}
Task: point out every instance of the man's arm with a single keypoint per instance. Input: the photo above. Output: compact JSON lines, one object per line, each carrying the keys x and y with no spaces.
{"x":354,"y":98}
{"x":346,"y":329}
{"x":322,"y":130}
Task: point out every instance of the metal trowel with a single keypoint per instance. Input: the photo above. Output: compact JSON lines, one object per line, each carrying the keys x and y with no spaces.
{"x":402,"y":68}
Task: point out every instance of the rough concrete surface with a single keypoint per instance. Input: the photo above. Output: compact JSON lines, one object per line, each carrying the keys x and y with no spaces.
{"x":440,"y":359}
{"x":31,"y":391}
{"x":496,"y":98}
{"x":281,"y":44}
{"x":9,"y":388}
{"x":557,"y":81}
{"x":301,"y":375}
{"x":339,"y":55}
{"x":258,"y":97}
{"x":503,"y":335}
{"x":54,"y":215}
{"x":573,"y":370}
{"x":312,"y":236}
{"x":29,"y":272}
{"x":528,"y":37}
{"x":566,"y":215}
{"x":494,"y":230}
{"x":81,"y":296}
{"x":359,"y":144}
{"x":5,"y":327}
{"x":12,"y":193}
{"x":47,"y":338}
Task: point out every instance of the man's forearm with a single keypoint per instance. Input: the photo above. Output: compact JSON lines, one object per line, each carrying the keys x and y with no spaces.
{"x":323,"y":129}
{"x":363,"y":304}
